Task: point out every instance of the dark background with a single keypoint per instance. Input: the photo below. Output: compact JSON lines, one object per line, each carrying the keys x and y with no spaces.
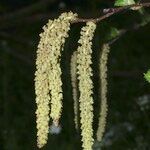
{"x":128,"y":126}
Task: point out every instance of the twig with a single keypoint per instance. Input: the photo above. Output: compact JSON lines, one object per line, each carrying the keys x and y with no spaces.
{"x":17,"y":55}
{"x":27,"y":10}
{"x":124,"y":31}
{"x":112,"y":12}
{"x":12,"y":37}
{"x":19,"y":15}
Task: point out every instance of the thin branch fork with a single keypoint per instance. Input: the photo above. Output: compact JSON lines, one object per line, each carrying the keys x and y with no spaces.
{"x":112,"y":12}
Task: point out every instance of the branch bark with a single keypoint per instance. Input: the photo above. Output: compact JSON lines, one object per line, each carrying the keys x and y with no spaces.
{"x":19,"y":16}
{"x":112,"y":12}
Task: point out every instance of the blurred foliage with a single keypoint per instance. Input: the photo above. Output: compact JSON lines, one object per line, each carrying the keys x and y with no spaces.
{"x":147,"y":75}
{"x":128,"y":125}
{"x":124,"y":2}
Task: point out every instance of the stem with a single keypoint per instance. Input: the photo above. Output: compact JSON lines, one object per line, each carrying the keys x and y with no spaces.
{"x":112,"y":12}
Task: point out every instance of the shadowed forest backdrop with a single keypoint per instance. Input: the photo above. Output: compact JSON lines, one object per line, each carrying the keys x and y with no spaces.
{"x":128,"y":118}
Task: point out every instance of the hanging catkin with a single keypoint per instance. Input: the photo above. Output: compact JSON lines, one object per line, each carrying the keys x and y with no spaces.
{"x":62,"y":25}
{"x":73,"y":71}
{"x":48,"y":74}
{"x":103,"y":91}
{"x":84,"y":52}
{"x":43,"y":67}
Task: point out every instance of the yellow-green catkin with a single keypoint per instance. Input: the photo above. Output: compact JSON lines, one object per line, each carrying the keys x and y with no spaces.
{"x":84,"y":61}
{"x":42,"y":89}
{"x":48,"y":74}
{"x":103,"y":91}
{"x":58,"y":35}
{"x":73,"y":71}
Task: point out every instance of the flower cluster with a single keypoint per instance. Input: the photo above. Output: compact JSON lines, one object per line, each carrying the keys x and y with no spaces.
{"x":84,"y":61}
{"x":48,"y":84}
{"x":103,"y":91}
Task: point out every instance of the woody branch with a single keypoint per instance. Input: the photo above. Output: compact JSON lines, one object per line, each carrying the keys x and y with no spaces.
{"x":113,"y":11}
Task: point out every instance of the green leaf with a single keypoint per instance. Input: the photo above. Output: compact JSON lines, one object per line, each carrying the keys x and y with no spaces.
{"x":124,"y":2}
{"x":147,"y":76}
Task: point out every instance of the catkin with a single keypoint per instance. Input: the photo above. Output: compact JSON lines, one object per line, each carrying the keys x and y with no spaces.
{"x":73,"y":71}
{"x":103,"y":91}
{"x":48,"y":74}
{"x":43,"y":68}
{"x":84,"y":61}
{"x":62,"y":26}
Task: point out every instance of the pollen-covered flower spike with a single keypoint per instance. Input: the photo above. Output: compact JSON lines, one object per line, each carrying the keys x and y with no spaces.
{"x":48,"y":74}
{"x":103,"y":91}
{"x":73,"y":71}
{"x":57,"y":37}
{"x":84,"y":61}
